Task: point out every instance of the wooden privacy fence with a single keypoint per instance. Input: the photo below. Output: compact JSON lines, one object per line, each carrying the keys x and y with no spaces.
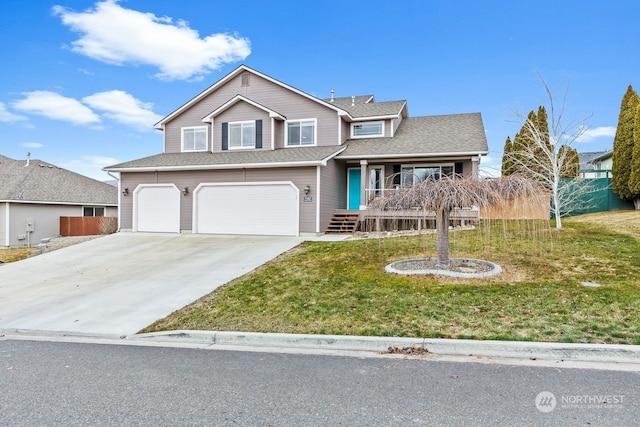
{"x":87,"y":225}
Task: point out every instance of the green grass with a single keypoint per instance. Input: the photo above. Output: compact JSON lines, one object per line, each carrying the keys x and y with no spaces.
{"x":342,"y":288}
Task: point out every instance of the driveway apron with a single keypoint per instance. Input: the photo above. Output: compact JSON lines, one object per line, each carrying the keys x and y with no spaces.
{"x":120,"y":283}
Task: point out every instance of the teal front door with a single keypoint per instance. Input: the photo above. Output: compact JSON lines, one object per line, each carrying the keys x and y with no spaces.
{"x":353,"y":189}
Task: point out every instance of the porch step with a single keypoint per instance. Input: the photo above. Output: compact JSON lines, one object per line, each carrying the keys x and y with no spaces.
{"x":344,"y":222}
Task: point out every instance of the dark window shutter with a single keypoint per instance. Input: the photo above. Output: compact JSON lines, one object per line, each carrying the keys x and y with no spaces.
{"x":396,"y":174}
{"x":258,"y":133}
{"x":225,"y":136}
{"x":458,"y":168}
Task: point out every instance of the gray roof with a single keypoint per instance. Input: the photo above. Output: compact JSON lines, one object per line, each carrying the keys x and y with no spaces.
{"x":38,"y":181}
{"x":228,"y":159}
{"x":425,"y":136}
{"x":586,"y":158}
{"x":346,"y":101}
{"x":365,"y":106}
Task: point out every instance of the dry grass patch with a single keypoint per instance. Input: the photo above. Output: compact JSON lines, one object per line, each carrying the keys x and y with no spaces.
{"x":15,"y":254}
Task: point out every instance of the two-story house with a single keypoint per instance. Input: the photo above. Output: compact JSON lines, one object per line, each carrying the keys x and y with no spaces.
{"x":253,"y":155}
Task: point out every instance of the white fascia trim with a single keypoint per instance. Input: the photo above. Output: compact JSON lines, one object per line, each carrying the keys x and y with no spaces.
{"x":409,"y":155}
{"x":331,"y":156}
{"x":40,"y":202}
{"x":339,"y":130}
{"x":349,"y":118}
{"x":230,"y":76}
{"x":273,"y":114}
{"x":322,"y":162}
{"x":226,"y":166}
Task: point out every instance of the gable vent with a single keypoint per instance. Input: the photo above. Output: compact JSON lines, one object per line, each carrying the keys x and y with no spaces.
{"x":245,"y":79}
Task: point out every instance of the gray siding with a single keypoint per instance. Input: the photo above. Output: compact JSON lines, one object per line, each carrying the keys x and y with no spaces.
{"x":264,"y":92}
{"x":346,"y":131}
{"x":237,"y":113}
{"x":46,"y":220}
{"x":333,"y":191}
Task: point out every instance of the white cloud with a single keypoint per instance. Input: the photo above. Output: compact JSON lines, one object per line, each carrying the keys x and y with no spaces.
{"x":599,"y":132}
{"x":56,"y":106}
{"x":90,"y":166}
{"x":124,"y":108}
{"x":115,"y":35}
{"x":32,"y":145}
{"x":9,"y":117}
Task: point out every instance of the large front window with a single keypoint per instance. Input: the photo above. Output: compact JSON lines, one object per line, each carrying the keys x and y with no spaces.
{"x":242,"y":135}
{"x":301,"y":132}
{"x":194,"y":139}
{"x":418,"y":173}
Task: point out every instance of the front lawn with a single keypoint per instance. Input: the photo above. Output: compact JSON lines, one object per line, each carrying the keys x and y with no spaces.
{"x":342,"y":288}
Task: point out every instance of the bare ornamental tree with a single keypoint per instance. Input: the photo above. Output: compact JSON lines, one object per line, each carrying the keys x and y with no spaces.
{"x":548,"y":158}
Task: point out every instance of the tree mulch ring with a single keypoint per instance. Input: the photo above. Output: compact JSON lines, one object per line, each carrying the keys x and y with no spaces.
{"x":458,"y":267}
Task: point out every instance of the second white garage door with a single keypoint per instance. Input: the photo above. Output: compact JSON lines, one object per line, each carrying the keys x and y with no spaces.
{"x":270,"y":208}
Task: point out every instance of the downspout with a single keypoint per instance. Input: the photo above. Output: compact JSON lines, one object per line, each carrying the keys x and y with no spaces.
{"x":7,"y":224}
{"x":117,"y":178}
{"x":318,"y":199}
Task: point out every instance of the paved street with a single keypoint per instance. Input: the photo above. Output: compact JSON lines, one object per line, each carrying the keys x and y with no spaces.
{"x":66,"y":384}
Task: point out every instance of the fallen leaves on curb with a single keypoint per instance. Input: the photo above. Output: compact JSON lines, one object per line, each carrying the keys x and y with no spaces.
{"x":413,"y":350}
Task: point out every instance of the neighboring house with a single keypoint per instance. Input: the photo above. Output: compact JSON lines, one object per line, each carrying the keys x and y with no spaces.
{"x":35,"y":194}
{"x":596,"y":164}
{"x":253,"y":155}
{"x":603,"y":162}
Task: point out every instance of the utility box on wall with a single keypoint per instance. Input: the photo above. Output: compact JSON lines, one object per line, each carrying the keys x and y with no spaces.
{"x":31,"y":225}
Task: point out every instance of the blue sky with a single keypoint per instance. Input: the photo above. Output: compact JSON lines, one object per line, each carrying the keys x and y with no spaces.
{"x":83,"y":82}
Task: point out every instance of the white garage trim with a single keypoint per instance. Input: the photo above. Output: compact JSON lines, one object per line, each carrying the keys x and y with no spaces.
{"x":266,"y":208}
{"x":156,"y":208}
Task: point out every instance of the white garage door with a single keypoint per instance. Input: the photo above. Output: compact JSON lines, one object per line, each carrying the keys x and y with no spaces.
{"x":157,"y":208}
{"x":269,"y":208}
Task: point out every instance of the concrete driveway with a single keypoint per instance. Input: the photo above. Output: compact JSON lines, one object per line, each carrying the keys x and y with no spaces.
{"x":120,"y":283}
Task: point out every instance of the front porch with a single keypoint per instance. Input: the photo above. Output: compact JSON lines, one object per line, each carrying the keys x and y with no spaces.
{"x":350,"y":221}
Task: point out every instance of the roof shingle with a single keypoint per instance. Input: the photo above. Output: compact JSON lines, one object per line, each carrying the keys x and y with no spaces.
{"x":231,"y":158}
{"x":428,"y":135}
{"x":38,"y":181}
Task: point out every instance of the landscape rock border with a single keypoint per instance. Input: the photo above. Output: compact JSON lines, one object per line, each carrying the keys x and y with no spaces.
{"x":466,"y":268}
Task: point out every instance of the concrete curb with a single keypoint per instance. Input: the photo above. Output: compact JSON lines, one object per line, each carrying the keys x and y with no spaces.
{"x":603,"y":353}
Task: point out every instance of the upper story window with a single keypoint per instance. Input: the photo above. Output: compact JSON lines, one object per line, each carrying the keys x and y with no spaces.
{"x":242,"y":135}
{"x":301,"y":133}
{"x":367,"y":130}
{"x":194,"y":138}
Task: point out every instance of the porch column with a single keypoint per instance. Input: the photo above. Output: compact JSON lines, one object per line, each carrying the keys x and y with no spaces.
{"x":475,"y":162}
{"x":363,"y":184}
